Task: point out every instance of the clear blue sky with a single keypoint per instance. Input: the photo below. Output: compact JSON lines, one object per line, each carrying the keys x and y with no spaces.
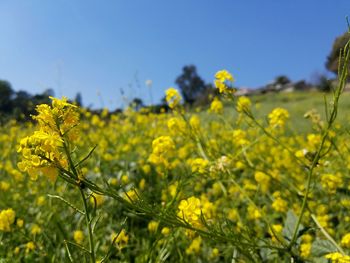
{"x":103,"y":46}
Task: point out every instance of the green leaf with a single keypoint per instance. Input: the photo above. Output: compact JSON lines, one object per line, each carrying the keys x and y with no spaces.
{"x":322,"y":247}
{"x":290,"y":224}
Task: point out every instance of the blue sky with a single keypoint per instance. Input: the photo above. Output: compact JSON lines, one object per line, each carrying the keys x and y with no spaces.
{"x":101,"y":47}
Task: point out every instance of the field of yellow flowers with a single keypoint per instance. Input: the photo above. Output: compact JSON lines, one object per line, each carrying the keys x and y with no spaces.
{"x":232,"y":183}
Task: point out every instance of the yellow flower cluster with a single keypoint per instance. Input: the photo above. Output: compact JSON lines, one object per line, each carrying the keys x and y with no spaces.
{"x":216,"y":106}
{"x":176,"y":125}
{"x":243,"y":104}
{"x":221,"y":79}
{"x":59,"y":118}
{"x":7,"y":218}
{"x":345,"y":241}
{"x":305,"y":246}
{"x":41,"y":154}
{"x":121,"y":239}
{"x":195,"y":246}
{"x":239,"y":137}
{"x":278,"y":117}
{"x":161,"y":146}
{"x":337,"y":257}
{"x":199,"y":165}
{"x":190,"y":210}
{"x":263,"y":179}
{"x":330,"y":182}
{"x":172,"y":97}
{"x":42,"y":151}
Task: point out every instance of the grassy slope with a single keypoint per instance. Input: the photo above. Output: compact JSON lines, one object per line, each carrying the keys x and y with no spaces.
{"x":298,"y":103}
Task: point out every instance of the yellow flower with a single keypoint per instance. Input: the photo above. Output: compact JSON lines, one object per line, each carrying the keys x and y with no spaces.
{"x":278,"y":117}
{"x":263,"y":179}
{"x":7,"y":218}
{"x":275,"y":231}
{"x":99,"y":199}
{"x":43,"y":152}
{"x":30,"y":246}
{"x":195,"y":246}
{"x":4,"y":186}
{"x":330,"y":182}
{"x":223,"y":75}
{"x":221,"y":79}
{"x":190,"y":210}
{"x":305,"y":250}
{"x":172,"y":97}
{"x":176,"y":125}
{"x":35,"y":229}
{"x":243,"y":104}
{"x":199,"y":165}
{"x":337,"y":257}
{"x":152,"y":226}
{"x":20,"y":223}
{"x":239,"y":137}
{"x":195,"y":122}
{"x":17,"y":250}
{"x":121,"y":240}
{"x":161,"y":146}
{"x":280,"y":205}
{"x":253,"y":213}
{"x":165,"y":231}
{"x":78,"y":236}
{"x":345,"y":241}
{"x":216,"y":106}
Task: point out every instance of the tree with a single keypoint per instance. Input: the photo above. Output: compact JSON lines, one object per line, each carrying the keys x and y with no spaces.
{"x":6,"y":95}
{"x":190,"y":84}
{"x":136,"y":104}
{"x":333,"y":57}
{"x":282,"y":80}
{"x":79,"y":99}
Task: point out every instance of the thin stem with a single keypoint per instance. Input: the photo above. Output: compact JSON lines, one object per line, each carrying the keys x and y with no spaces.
{"x":343,"y":76}
{"x":88,"y":223}
{"x":325,"y":233}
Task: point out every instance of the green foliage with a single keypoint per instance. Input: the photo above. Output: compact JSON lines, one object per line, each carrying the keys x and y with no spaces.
{"x":192,"y":86}
{"x":333,"y":58}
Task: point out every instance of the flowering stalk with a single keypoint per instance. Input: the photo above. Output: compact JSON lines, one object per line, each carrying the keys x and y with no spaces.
{"x":47,"y":151}
{"x":343,"y":65}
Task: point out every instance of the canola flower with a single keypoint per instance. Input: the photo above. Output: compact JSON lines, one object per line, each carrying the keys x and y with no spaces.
{"x":222,"y":78}
{"x":199,"y":165}
{"x":278,"y":117}
{"x":42,"y":152}
{"x":172,"y":97}
{"x":7,"y":219}
{"x":243,"y":104}
{"x":78,"y":236}
{"x":121,"y":239}
{"x":161,"y":147}
{"x":190,"y":210}
{"x":216,"y":106}
{"x":337,"y":257}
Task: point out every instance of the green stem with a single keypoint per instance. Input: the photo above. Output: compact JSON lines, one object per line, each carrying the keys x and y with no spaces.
{"x":88,"y":223}
{"x":343,"y":65}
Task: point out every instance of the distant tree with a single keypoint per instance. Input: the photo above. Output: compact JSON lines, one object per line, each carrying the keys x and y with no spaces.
{"x":6,"y":96}
{"x":333,"y":57}
{"x":78,"y":99}
{"x":323,"y":84}
{"x":23,"y":105}
{"x":282,"y":80}
{"x":190,"y":84}
{"x":136,"y":104}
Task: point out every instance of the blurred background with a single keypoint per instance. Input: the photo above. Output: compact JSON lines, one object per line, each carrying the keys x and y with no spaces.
{"x":108,"y":54}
